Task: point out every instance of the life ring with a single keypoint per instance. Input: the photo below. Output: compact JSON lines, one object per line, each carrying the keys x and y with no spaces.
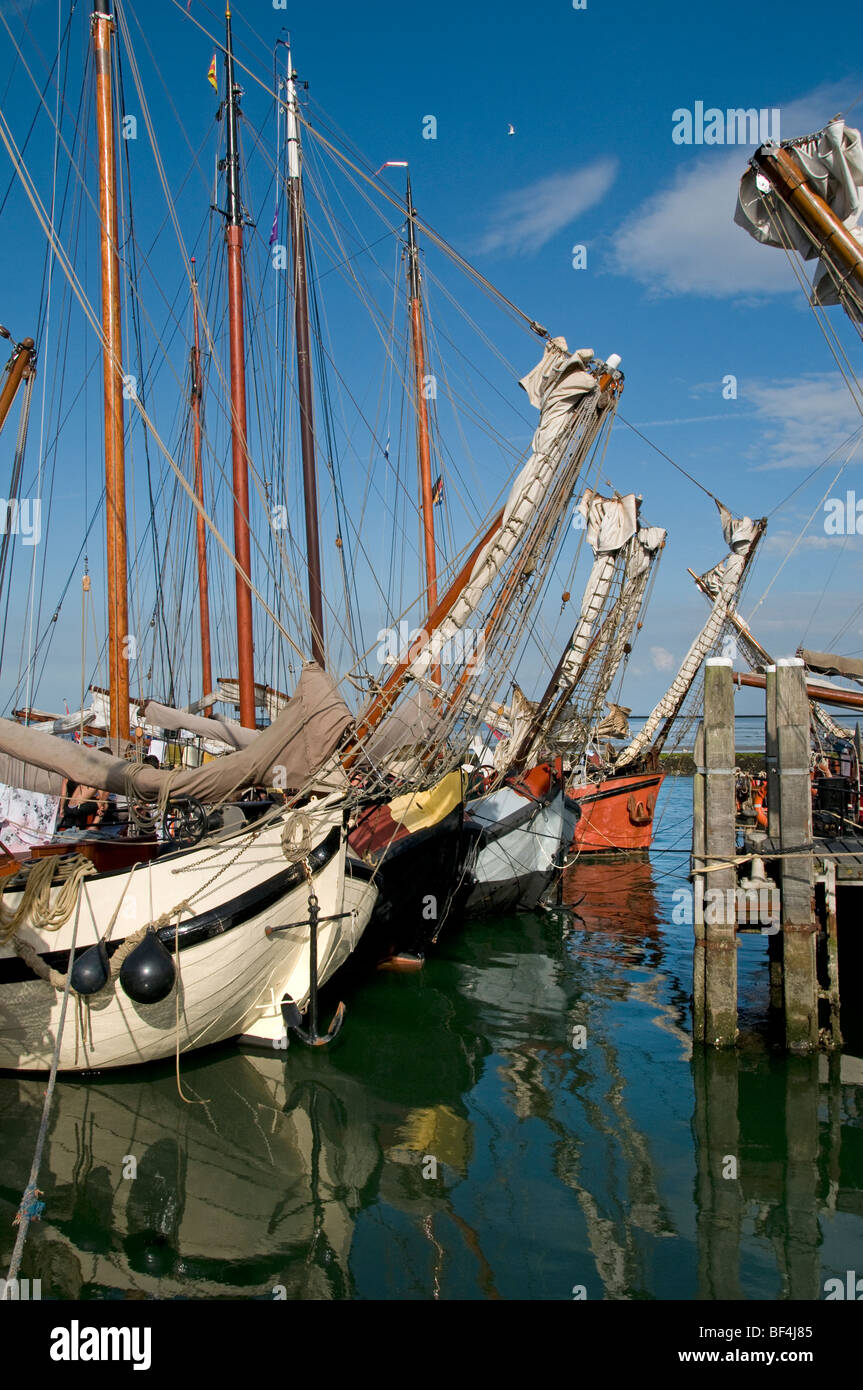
{"x":641,"y":812}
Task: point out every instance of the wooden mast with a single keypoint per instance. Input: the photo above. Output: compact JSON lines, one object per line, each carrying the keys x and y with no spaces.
{"x":20,"y":364}
{"x":201,"y":525}
{"x":102,"y":28}
{"x":827,"y":232}
{"x":239,"y":445}
{"x":304,"y":368}
{"x":423,"y":444}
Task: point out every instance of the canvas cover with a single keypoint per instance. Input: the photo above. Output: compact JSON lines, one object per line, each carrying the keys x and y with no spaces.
{"x":827,"y":664}
{"x":832,"y":162}
{"x":226,"y":731}
{"x":294,"y":747}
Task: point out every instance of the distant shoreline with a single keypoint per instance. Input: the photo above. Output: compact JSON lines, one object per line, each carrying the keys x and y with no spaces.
{"x":683,"y":764}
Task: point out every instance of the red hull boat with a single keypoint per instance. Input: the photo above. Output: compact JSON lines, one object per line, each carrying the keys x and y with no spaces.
{"x":615,"y":815}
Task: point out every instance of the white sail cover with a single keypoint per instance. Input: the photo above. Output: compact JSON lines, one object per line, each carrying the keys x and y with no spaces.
{"x":832,"y":162}
{"x":722,"y":582}
{"x":555,"y":386}
{"x":288,"y":754}
{"x":611,"y":523}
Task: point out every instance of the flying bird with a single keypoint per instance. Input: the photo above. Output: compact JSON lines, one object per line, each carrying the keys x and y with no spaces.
{"x":510,"y":130}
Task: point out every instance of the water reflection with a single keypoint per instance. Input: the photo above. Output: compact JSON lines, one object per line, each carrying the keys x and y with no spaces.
{"x":523,"y":1118}
{"x":778,"y":1146}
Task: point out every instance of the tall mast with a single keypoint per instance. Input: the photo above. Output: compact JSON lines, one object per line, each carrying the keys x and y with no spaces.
{"x":831,"y":236}
{"x":102,"y":29}
{"x":203,"y":586}
{"x":423,"y":447}
{"x":239,"y":446}
{"x":304,"y":368}
{"x":21,"y":364}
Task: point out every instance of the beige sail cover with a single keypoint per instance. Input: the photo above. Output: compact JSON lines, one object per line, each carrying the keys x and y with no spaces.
{"x":555,"y":386}
{"x":414,"y":722}
{"x":832,"y":162}
{"x":287,"y":754}
{"x":722,"y":582}
{"x":611,"y":522}
{"x":226,"y":731}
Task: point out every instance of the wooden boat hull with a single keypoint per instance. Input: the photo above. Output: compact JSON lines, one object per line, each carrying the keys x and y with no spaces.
{"x":416,"y":848}
{"x":520,"y":846}
{"x":615,"y":815}
{"x":232,"y":977}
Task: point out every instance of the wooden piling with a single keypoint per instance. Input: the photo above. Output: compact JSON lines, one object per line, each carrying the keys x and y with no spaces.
{"x":800,"y":981}
{"x":699,"y":1002}
{"x":774,"y":942}
{"x":720,"y":914}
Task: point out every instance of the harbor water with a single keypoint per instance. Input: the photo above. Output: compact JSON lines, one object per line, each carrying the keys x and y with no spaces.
{"x":523,"y":1119}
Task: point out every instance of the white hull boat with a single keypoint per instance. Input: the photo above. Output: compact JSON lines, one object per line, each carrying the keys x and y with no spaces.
{"x":219,"y":897}
{"x":521,"y":842}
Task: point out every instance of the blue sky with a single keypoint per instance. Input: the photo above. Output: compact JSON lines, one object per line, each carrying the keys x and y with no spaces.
{"x":671,"y":284}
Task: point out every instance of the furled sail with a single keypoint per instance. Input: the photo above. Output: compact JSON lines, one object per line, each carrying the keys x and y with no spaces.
{"x":722,"y":582}
{"x":832,"y":164}
{"x":226,"y":731}
{"x":611,"y":523}
{"x":556,"y":386}
{"x":827,"y":664}
{"x":294,"y":747}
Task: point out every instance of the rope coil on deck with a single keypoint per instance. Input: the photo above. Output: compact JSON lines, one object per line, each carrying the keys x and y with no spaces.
{"x":35,"y":905}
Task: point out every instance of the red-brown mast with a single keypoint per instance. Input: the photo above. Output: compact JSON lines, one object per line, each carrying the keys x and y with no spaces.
{"x":201,"y":525}
{"x":422,"y":414}
{"x":239,"y":444}
{"x":102,"y":28}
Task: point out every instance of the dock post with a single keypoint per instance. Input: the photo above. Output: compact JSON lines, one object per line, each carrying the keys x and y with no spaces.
{"x":699,"y":1001}
{"x":774,"y":942}
{"x":800,"y":979}
{"x":832,"y":951}
{"x":720,"y":896}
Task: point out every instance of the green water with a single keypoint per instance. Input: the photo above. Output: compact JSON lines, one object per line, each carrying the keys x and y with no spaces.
{"x":455,"y":1144}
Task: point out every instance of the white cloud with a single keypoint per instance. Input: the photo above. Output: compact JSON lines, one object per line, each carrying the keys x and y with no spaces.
{"x":683,"y":240}
{"x":527,"y":218}
{"x":782,"y":541}
{"x":662,"y":659}
{"x":804,"y":419}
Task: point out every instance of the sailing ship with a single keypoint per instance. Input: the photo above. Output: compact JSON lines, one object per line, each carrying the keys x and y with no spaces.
{"x":805,"y":196}
{"x":216,"y":938}
{"x":257,"y":857}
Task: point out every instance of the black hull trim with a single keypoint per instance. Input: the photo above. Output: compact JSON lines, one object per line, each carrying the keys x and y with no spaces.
{"x":207,"y":924}
{"x":418,"y":879}
{"x":508,"y":895}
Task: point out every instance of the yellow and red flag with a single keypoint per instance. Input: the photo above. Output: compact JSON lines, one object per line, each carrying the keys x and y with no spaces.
{"x":211,"y":75}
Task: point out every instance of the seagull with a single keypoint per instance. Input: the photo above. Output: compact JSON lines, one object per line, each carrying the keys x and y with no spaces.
{"x":510,"y":130}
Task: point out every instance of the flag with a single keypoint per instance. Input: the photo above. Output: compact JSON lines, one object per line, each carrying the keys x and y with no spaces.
{"x":275,"y":232}
{"x":437,"y":491}
{"x":211,"y":75}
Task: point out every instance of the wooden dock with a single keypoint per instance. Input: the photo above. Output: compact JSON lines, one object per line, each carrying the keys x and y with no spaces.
{"x":782,"y":882}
